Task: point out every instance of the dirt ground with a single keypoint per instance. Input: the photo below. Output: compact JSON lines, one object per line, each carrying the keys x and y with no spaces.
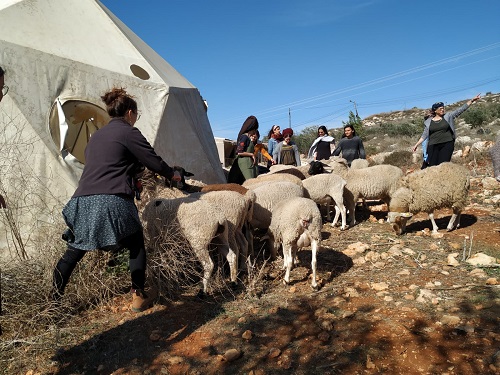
{"x":387,"y":304}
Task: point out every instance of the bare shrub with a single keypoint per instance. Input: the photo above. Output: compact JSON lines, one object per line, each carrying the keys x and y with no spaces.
{"x":172,"y":264}
{"x":400,"y":158}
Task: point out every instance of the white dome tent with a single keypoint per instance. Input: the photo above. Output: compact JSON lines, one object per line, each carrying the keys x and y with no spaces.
{"x":60,"y":56}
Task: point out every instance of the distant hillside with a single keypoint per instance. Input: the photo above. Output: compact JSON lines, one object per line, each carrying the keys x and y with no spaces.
{"x":417,"y":114}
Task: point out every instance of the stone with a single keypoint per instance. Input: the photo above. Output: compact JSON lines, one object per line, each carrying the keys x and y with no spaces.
{"x":175,"y":360}
{"x":231,"y":355}
{"x":450,"y":320}
{"x":481,"y":259}
{"x":478,"y":272}
{"x":274,"y":352}
{"x":452,"y":261}
{"x":492,"y":281}
{"x":380,"y":286}
{"x":247,"y":335}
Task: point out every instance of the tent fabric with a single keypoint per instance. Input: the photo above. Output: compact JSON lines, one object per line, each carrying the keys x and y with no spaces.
{"x":77,"y":50}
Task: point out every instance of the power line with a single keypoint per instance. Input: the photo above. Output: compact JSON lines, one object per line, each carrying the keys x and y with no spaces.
{"x":380,"y":80}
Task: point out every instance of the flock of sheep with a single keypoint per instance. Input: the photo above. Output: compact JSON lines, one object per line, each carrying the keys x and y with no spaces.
{"x":284,"y":204}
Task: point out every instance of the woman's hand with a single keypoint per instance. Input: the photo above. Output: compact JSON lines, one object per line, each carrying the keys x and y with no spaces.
{"x":474,"y":99}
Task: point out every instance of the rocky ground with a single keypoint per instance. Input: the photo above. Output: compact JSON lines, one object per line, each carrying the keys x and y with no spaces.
{"x":410,"y":304}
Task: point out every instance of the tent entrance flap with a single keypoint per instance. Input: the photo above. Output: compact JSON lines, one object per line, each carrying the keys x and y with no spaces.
{"x":72,"y":132}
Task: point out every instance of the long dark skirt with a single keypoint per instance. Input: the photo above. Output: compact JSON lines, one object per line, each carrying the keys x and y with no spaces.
{"x":440,"y":153}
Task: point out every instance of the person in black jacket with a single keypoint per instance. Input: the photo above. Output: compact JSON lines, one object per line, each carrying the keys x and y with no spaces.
{"x":101,"y":213}
{"x":350,"y":145}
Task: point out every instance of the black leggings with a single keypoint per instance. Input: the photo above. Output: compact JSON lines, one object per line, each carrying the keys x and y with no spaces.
{"x":137,"y":264}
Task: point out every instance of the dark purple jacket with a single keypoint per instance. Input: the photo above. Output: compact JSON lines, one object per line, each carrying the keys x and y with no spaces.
{"x":110,"y":157}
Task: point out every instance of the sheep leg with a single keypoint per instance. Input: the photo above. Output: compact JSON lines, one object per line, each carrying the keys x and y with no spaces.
{"x":272,"y":244}
{"x":288,"y":261}
{"x":243,"y":248}
{"x":207,"y":264}
{"x":454,"y":220}
{"x":249,"y":237}
{"x":340,"y":210}
{"x":336,"y":217}
{"x":231,"y":256}
{"x":314,"y":250}
{"x":328,"y":216}
{"x":351,"y":206}
{"x":434,"y":225}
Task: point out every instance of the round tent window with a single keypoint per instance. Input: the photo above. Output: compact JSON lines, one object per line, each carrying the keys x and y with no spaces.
{"x":139,"y":72}
{"x":82,"y":119}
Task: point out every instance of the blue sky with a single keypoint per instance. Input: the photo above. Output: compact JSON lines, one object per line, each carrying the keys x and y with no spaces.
{"x":316,"y":59}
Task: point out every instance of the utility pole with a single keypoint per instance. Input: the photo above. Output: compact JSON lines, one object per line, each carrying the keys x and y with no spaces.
{"x":355,"y":107}
{"x":289,"y":118}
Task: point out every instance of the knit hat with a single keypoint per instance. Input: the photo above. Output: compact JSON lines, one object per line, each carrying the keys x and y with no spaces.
{"x":437,"y":105}
{"x":287,"y":132}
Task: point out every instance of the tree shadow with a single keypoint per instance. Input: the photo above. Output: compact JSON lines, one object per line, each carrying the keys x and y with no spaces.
{"x":129,"y":344}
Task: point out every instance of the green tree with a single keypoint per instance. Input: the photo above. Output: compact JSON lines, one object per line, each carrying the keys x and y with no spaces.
{"x":305,"y":138}
{"x":476,"y":117}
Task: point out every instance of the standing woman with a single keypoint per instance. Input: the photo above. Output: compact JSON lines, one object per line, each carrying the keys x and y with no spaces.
{"x":440,"y":130}
{"x":274,"y":137}
{"x":244,"y":166}
{"x":287,"y":152}
{"x":102,"y":214}
{"x":350,"y":145}
{"x":320,"y":149}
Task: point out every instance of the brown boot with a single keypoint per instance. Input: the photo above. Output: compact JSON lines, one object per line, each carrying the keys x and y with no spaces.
{"x":142,"y":301}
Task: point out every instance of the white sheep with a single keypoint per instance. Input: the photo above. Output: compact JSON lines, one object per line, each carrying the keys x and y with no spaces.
{"x":249,"y":197}
{"x":443,"y":186}
{"x":359,"y":164}
{"x":325,"y":189}
{"x":272,"y":177}
{"x":302,"y":171}
{"x":234,"y":206}
{"x":201,"y":224}
{"x":376,"y":182}
{"x":268,"y":195}
{"x":296,"y":222}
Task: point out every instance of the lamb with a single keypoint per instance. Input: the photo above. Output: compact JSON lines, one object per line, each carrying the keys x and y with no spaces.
{"x":249,"y":196}
{"x":271,"y":177}
{"x":234,"y":206}
{"x":359,"y":164}
{"x":325,"y":189}
{"x":268,"y":195}
{"x":443,"y":186}
{"x":199,"y":222}
{"x":303,"y":171}
{"x":376,"y":182}
{"x":295,"y":223}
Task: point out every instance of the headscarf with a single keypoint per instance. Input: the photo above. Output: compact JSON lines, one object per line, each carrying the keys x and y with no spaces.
{"x":437,"y":105}
{"x":250,"y":123}
{"x":287,"y":131}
